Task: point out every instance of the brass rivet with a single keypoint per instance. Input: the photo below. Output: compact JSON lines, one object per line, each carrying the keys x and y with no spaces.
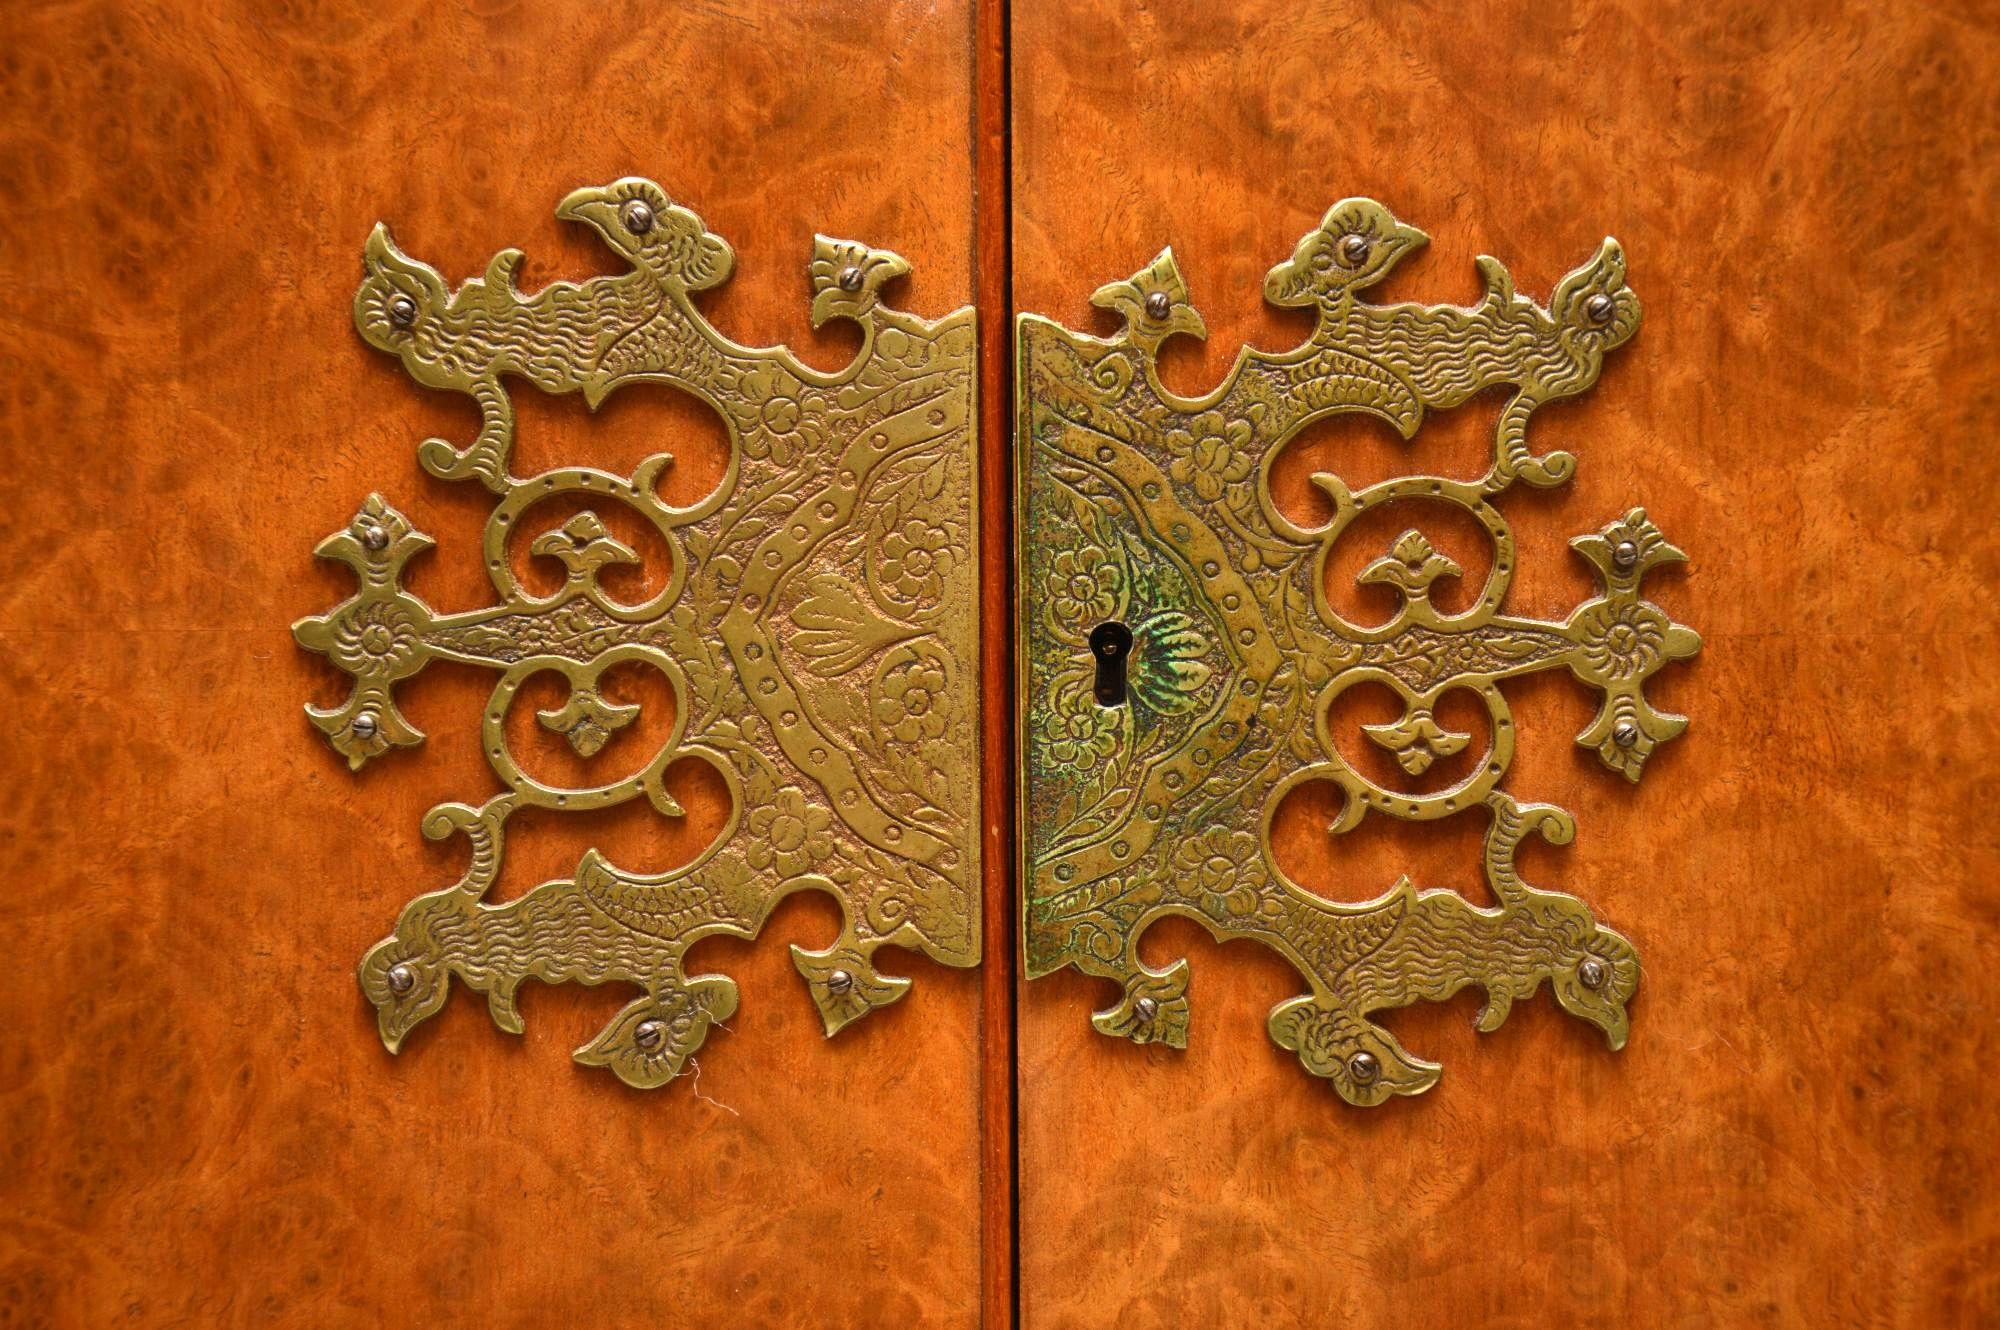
{"x":839,"y":982}
{"x":850,"y":278}
{"x":1158,"y":305}
{"x":365,"y":725}
{"x":374,"y":537}
{"x":1599,"y":309}
{"x":1625,"y":554}
{"x":1624,"y":734}
{"x":1147,"y":1008}
{"x":401,"y":978}
{"x":650,"y":1036}
{"x":637,"y":216}
{"x":1591,"y":972}
{"x":1354,"y":249}
{"x":402,"y":310}
{"x":1364,"y":1068}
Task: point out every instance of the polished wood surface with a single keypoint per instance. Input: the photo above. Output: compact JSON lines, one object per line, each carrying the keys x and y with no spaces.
{"x":198,"y":1125}
{"x":1802,"y":1130}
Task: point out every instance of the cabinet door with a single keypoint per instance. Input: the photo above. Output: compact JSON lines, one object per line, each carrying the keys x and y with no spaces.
{"x":201,"y":1124}
{"x":1798,"y":1131}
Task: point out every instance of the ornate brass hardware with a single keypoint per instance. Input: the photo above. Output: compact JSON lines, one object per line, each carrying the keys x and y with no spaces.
{"x":1152,"y":510}
{"x":818,"y":628}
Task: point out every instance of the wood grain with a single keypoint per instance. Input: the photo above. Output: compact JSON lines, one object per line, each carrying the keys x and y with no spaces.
{"x":1802,"y":1129}
{"x":198,"y":1125}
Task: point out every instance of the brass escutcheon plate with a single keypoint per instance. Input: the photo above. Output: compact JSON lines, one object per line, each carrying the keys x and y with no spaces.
{"x":1179,"y":656}
{"x":818,"y":627}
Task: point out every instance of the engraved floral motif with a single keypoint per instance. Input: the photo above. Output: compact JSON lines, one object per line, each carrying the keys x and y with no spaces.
{"x":835,"y":629}
{"x":916,"y":558}
{"x":1411,"y":565}
{"x":379,"y":638}
{"x":1210,"y":452}
{"x":788,"y":834}
{"x":1417,"y":739}
{"x":1620,"y":641}
{"x":1215,"y":865}
{"x":589,"y":719}
{"x":583,"y":545}
{"x":790,"y":417}
{"x":1082,"y":587}
{"x":1077,"y":735}
{"x":908,"y":704}
{"x":1240,"y":648}
{"x":1167,"y":672}
{"x":814,"y":564}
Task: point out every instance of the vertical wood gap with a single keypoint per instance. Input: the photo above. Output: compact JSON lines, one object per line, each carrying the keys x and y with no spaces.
{"x":993,"y":287}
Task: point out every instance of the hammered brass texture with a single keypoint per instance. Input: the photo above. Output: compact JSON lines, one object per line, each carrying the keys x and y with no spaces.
{"x":818,"y":628}
{"x":1143,"y":508}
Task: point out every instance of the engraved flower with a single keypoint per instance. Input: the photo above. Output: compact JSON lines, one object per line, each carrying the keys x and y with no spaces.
{"x":788,"y":419}
{"x":788,"y":834}
{"x":909,"y":704}
{"x":915,"y":559}
{"x":381,"y":638}
{"x":1077,"y":734}
{"x":1082,"y":586}
{"x":1215,"y":864}
{"x":1619,"y":642}
{"x":1209,"y":453}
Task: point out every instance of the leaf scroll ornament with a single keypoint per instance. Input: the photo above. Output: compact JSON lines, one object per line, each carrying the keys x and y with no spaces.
{"x":1139,"y":504}
{"x":843,"y":536}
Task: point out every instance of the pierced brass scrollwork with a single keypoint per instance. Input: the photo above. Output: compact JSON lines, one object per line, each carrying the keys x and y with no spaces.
{"x":1152,"y":511}
{"x":818,"y":628}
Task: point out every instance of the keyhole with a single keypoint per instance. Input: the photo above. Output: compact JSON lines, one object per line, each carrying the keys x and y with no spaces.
{"x":1110,"y":644}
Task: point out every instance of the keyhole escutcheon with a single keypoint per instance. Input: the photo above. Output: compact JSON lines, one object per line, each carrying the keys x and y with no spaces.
{"x":1110,"y":645}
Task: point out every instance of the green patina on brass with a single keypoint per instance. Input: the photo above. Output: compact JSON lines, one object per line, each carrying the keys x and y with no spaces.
{"x":818,"y":627}
{"x":1145,"y":508}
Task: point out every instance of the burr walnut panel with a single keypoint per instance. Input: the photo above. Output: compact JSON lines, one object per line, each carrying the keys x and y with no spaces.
{"x":198,"y":1122}
{"x":1800,"y":1131}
